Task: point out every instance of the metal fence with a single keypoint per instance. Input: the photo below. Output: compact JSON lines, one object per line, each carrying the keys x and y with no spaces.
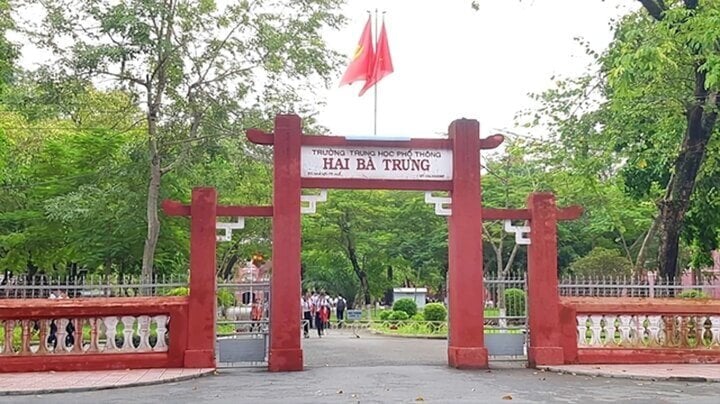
{"x":43,"y":286}
{"x":243,"y":323}
{"x":648,"y":287}
{"x":506,"y":324}
{"x":87,"y":286}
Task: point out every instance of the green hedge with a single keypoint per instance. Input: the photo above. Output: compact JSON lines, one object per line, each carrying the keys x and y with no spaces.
{"x":398,"y":316}
{"x":515,"y":302}
{"x":407,"y":305}
{"x":693,"y":294}
{"x":434,"y":312}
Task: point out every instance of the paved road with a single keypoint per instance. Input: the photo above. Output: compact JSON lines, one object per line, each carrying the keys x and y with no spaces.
{"x":392,"y":370}
{"x":342,"y":348}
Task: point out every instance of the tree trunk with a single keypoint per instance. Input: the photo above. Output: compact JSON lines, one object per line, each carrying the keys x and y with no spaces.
{"x":153,"y":221}
{"x":701,"y":119}
{"x":349,"y":245}
{"x":362,"y":275}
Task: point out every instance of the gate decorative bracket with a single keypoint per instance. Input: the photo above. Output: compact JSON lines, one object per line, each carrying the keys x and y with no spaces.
{"x":519,"y":231}
{"x":229,"y":227}
{"x":439,"y":202}
{"x":312,"y":201}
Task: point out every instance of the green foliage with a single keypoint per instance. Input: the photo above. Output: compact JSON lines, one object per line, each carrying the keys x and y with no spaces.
{"x":181,"y":291}
{"x":8,"y":50}
{"x":398,"y":315}
{"x":362,"y":243}
{"x":435,"y":312}
{"x":384,"y":314}
{"x":225,"y":298}
{"x":417,"y":317}
{"x":693,"y":294}
{"x":407,"y":305}
{"x":602,"y":262}
{"x":515,"y":302}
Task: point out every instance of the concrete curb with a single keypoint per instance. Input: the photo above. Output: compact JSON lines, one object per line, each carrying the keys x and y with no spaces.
{"x":631,"y":376}
{"x":406,"y":336}
{"x":106,"y":387}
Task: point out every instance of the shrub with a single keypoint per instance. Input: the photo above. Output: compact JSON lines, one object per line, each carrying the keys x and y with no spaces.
{"x":435,"y":312}
{"x":515,"y":302}
{"x":602,"y":262}
{"x":182,"y":291}
{"x":407,"y":305}
{"x":693,"y":294}
{"x":398,"y":315}
{"x":225,"y":298}
{"x":384,"y":314}
{"x":417,"y":317}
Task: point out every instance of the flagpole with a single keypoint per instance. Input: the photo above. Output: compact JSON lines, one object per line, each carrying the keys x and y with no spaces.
{"x":377,"y":35}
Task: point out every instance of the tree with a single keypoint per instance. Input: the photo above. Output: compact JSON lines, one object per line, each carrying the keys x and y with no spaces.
{"x":602,"y":262}
{"x":383,"y":238}
{"x":196,"y":69}
{"x":676,"y":46}
{"x":8,"y":50}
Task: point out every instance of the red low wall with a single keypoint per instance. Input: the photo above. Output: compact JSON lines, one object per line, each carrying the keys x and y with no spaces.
{"x":678,"y":330}
{"x":88,"y":356}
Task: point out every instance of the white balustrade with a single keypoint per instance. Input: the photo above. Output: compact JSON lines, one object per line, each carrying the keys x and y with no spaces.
{"x":715,"y":329}
{"x":648,"y":331}
{"x":95,"y":335}
{"x":582,"y":329}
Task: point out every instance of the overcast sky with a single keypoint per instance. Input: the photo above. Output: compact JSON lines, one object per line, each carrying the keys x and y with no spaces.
{"x":451,"y":61}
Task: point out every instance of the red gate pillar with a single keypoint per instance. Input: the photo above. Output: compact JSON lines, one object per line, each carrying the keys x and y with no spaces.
{"x":285,"y":350}
{"x":543,"y":300}
{"x":200,"y":351}
{"x":466,"y":348}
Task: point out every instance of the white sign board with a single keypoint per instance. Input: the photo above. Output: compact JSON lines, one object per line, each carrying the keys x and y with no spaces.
{"x":354,"y":314}
{"x":376,"y":163}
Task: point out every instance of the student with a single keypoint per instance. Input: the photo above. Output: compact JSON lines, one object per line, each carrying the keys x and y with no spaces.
{"x":256,"y":314}
{"x":306,"y":314}
{"x":321,"y":313}
{"x":340,"y":310}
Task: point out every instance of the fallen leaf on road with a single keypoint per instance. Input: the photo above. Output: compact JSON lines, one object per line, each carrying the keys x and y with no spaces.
{"x":419,"y":398}
{"x":507,"y":397}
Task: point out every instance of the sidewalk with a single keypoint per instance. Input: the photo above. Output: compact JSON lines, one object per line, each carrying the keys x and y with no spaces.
{"x":669,"y":372}
{"x":55,"y":382}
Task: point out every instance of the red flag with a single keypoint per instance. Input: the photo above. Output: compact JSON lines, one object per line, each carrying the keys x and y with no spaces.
{"x":361,"y":65}
{"x":383,"y":62}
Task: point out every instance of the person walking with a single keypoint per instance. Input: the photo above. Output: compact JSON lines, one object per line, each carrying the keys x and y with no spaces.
{"x":320,"y":313}
{"x":306,"y":314}
{"x":256,"y":315}
{"x":340,"y":307}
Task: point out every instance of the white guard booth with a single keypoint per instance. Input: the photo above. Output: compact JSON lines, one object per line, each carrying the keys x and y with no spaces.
{"x":417,"y":294}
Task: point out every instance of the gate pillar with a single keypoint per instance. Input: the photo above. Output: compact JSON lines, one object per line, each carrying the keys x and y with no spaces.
{"x":543,"y":300}
{"x":465,"y":273}
{"x":285,"y":349}
{"x":200,"y":351}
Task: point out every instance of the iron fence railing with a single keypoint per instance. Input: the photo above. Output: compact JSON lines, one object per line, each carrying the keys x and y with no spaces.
{"x":86,"y":286}
{"x":500,"y":292}
{"x":648,"y":287}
